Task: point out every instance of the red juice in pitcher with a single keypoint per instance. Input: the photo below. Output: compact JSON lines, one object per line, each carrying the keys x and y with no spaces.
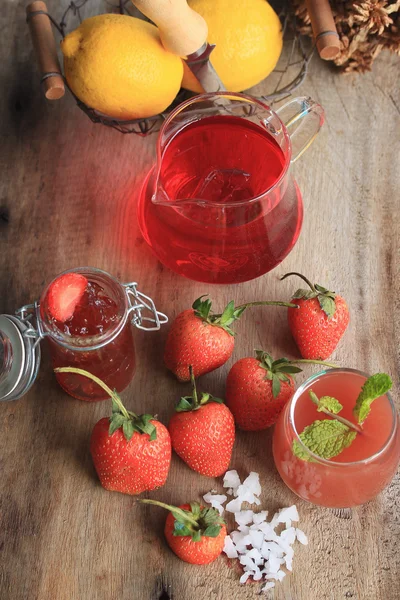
{"x":221,"y":210}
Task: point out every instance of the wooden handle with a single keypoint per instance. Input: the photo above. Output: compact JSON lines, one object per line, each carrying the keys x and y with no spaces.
{"x":45,"y":49}
{"x":324,"y":28}
{"x":182,"y":30}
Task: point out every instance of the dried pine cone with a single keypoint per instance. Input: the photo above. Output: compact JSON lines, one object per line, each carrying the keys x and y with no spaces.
{"x":365,"y":28}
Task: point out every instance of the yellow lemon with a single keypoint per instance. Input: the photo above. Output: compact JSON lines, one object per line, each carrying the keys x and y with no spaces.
{"x":117,"y":65}
{"x":248,"y":38}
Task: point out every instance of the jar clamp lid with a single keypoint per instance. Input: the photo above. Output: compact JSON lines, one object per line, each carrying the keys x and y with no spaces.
{"x":19,"y":356}
{"x":20,"y":340}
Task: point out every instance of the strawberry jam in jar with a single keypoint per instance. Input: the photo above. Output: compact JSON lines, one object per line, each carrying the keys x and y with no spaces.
{"x":86,"y":316}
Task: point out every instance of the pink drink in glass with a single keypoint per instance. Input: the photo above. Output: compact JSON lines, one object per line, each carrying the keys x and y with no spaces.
{"x":362,"y":470}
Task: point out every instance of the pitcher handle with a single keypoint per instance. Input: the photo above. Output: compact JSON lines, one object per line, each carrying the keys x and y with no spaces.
{"x":303,"y":119}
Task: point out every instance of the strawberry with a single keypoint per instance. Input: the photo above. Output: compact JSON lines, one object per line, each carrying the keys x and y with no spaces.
{"x":64,"y":294}
{"x":319,"y":322}
{"x":258,"y":388}
{"x":202,"y":339}
{"x":203,"y":433}
{"x":196,"y":534}
{"x":131,"y":454}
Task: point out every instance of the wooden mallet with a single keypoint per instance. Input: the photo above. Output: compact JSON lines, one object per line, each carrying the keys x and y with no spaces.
{"x":45,"y":50}
{"x":324,"y":29}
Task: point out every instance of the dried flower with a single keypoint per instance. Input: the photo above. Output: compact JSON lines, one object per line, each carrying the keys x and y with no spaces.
{"x":365,"y":28}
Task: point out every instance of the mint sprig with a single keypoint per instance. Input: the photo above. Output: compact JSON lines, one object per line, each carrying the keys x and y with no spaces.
{"x":326,"y":403}
{"x":376,"y":386}
{"x":329,"y":438}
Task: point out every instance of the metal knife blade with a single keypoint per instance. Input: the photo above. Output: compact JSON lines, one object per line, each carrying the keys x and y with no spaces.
{"x":201,"y":67}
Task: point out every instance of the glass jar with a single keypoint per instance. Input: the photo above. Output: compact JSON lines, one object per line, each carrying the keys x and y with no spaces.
{"x":110,"y":354}
{"x":361,"y":471}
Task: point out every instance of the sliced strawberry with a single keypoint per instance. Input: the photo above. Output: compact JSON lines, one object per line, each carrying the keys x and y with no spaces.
{"x":64,"y":294}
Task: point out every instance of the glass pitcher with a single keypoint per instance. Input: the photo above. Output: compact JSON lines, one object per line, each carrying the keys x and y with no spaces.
{"x":220,"y":205}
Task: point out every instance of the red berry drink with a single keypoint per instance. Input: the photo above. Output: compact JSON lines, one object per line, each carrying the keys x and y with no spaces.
{"x":85,"y":315}
{"x":222,"y":210}
{"x":363,"y":469}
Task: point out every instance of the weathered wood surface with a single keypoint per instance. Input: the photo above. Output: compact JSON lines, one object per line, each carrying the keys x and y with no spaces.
{"x":68,"y":191}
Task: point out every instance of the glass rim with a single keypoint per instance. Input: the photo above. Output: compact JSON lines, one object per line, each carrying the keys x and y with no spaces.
{"x":238,"y":95}
{"x":98,"y":340}
{"x":329,"y":462}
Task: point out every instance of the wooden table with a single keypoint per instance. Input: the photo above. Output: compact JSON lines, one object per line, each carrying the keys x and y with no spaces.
{"x":68,"y":198}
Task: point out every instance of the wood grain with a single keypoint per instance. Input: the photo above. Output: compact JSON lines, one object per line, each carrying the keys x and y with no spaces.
{"x":67,"y":197}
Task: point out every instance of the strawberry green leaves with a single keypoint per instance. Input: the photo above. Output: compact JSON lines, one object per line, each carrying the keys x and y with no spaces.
{"x":188,"y":403}
{"x":325,"y":438}
{"x":129,"y":421}
{"x":329,"y":438}
{"x":202,"y":309}
{"x":325,"y":297}
{"x":276,"y":370}
{"x":196,"y":522}
{"x":376,"y":386}
{"x":120,"y":416}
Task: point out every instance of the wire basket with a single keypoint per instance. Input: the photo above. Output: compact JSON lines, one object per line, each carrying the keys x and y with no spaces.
{"x":289,"y":73}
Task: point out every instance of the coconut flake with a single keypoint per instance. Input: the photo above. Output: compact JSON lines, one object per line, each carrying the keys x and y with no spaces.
{"x":268,"y":586}
{"x":289,"y":535}
{"x":245,"y":577}
{"x":252,"y":482}
{"x":257,"y":538}
{"x":260,"y":517}
{"x":234,"y":505}
{"x":286,"y":515}
{"x":244,"y":517}
{"x":231,"y":480}
{"x":301,"y":536}
{"x":229,"y":548}
{"x":216,"y":501}
{"x":261,"y":547}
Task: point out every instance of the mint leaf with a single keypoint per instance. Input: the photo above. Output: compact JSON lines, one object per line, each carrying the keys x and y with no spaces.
{"x":376,"y":386}
{"x":327,"y":403}
{"x":326,"y":438}
{"x":299,"y":451}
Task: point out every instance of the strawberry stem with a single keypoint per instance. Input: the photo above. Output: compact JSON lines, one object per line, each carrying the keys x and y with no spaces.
{"x":266,"y":303}
{"x":177,"y":512}
{"x":194,"y":389}
{"x":307,"y":281}
{"x":113,"y":395}
{"x":315,"y":362}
